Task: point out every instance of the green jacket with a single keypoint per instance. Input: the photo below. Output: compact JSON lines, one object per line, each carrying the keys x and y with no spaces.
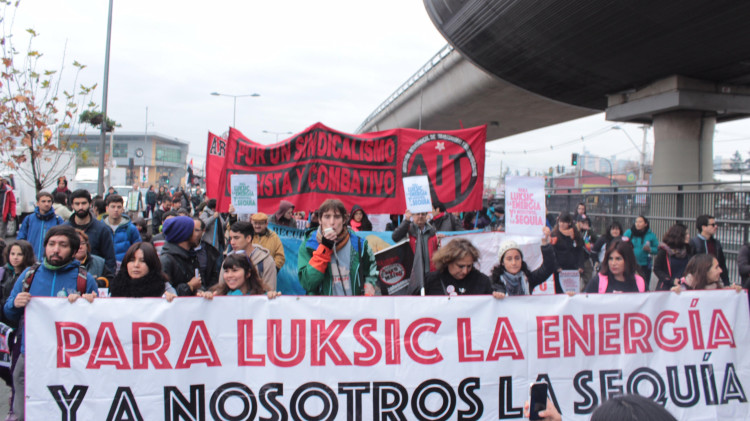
{"x":643,"y":257}
{"x":315,"y":274}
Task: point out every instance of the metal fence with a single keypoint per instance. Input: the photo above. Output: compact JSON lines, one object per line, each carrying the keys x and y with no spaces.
{"x":664,"y":206}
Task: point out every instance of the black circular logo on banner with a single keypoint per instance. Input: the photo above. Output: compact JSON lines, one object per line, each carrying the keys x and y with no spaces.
{"x":445,"y":159}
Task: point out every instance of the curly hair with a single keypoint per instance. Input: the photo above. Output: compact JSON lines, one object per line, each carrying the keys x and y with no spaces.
{"x":26,"y":249}
{"x":455,"y":250}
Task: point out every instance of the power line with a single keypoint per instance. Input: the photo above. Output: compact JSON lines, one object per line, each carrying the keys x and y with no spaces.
{"x":561,"y":144}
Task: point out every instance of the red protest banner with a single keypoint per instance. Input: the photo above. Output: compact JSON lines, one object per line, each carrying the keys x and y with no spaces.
{"x":215,"y":152}
{"x":365,"y":169}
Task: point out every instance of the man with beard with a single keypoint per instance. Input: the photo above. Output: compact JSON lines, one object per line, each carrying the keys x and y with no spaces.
{"x":59,"y":275}
{"x":100,"y":236}
{"x":178,"y":259}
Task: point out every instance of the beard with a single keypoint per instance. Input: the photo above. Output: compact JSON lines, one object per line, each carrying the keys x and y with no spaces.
{"x":58,"y":260}
{"x":82,"y":213}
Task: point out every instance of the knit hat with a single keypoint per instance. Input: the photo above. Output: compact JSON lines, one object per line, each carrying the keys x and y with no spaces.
{"x":178,"y":229}
{"x":508,"y":245}
{"x":259,"y":217}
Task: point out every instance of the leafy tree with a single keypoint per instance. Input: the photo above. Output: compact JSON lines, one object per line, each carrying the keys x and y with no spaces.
{"x":37,"y":116}
{"x":736,"y":162}
{"x":94,"y":118}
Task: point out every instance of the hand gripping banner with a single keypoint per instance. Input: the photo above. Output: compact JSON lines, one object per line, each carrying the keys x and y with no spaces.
{"x":379,"y":358}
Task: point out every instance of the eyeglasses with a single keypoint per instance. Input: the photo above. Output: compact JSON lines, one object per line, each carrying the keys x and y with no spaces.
{"x":712,"y":225}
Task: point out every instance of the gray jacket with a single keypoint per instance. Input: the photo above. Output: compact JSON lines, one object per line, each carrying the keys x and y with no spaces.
{"x":215,"y":226}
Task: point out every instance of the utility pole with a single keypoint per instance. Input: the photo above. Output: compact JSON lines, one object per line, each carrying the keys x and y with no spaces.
{"x":103,"y":138}
{"x":642,"y":172}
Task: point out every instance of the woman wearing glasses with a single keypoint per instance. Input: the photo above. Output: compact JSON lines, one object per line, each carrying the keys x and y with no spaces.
{"x":456,"y":274}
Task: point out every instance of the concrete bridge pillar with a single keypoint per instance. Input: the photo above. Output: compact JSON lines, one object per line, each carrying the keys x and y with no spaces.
{"x":683,"y":147}
{"x":684,"y":113}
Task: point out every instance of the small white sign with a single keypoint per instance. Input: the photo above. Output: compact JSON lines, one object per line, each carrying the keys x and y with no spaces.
{"x":545,"y":288}
{"x":570,"y":281}
{"x":524,"y":205}
{"x":244,"y":193}
{"x":417,"y":194}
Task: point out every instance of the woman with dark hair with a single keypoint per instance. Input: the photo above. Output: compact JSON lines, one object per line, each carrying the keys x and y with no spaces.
{"x":511,"y":276}
{"x":140,"y":274}
{"x":618,"y":271}
{"x":95,"y":265}
{"x":672,"y":257}
{"x":644,"y":245}
{"x":18,"y":255}
{"x":580,"y":210}
{"x":703,"y":272}
{"x":476,"y":220}
{"x":240,"y":278}
{"x":614,"y":232}
{"x":62,"y":187}
{"x":568,"y":244}
{"x":456,"y":274}
{"x":359,"y":220}
{"x":142,"y":226}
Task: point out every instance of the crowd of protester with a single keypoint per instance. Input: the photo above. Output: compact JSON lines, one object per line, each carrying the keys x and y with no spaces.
{"x":192,"y":249}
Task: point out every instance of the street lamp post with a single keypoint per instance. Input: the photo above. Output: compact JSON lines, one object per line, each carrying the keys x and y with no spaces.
{"x":145,"y":146}
{"x":102,"y":142}
{"x":641,"y":150}
{"x":234,"y":113}
{"x":276,"y":133}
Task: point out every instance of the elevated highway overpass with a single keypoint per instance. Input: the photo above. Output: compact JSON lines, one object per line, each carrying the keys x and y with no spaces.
{"x":519,"y":65}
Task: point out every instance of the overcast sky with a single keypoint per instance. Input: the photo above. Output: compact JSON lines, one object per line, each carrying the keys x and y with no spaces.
{"x":332,"y":61}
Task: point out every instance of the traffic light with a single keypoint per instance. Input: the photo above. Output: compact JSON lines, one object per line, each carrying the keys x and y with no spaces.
{"x":574,"y":159}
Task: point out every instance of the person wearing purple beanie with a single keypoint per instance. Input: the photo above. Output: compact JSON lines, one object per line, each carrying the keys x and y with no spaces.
{"x":178,"y":259}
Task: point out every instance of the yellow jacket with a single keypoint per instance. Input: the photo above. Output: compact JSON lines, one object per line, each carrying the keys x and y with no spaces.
{"x":271,"y":241}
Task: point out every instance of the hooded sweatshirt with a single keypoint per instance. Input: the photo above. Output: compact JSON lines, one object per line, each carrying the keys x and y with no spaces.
{"x":35,"y":227}
{"x":125,"y":235}
{"x":278,"y":217}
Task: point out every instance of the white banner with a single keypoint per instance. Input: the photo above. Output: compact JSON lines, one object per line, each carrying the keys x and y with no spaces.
{"x":244,"y":193}
{"x":570,"y":280}
{"x":524,"y":205}
{"x":488,"y":245}
{"x":417,"y":193}
{"x":336,"y":358}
